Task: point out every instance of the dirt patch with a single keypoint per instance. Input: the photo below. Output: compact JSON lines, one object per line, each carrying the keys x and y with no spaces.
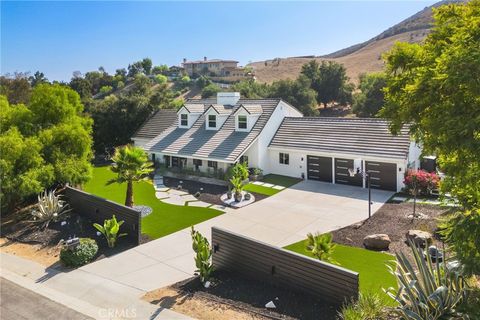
{"x":209,"y":193}
{"x":392,"y":219}
{"x":235,"y":297}
{"x":26,"y":239}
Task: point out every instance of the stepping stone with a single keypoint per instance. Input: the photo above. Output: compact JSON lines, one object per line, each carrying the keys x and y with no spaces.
{"x":218,"y":207}
{"x":189,"y":197}
{"x":258,"y":183}
{"x":399,"y":199}
{"x":161,"y":194}
{"x":198,"y":204}
{"x":268,"y":185}
{"x":177,"y":200}
{"x":162,"y":189}
{"x":177,"y":192}
{"x":278,"y":187}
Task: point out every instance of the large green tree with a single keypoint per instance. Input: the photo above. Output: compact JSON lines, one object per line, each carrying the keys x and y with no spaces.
{"x":435,"y":87}
{"x":296,"y":92}
{"x":370,"y":99}
{"x":44,"y":143}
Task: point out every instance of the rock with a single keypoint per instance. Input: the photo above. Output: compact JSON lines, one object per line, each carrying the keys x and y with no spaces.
{"x":270,"y":305}
{"x":377,"y":241}
{"x":419,"y":237}
{"x":207,"y":284}
{"x":358,"y":225}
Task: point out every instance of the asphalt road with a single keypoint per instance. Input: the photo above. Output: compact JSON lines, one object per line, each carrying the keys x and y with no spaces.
{"x":18,"y":303}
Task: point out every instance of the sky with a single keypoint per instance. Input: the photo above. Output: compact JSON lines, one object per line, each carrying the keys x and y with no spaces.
{"x":60,"y":37}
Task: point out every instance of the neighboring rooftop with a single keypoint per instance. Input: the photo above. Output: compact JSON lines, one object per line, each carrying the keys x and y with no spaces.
{"x":225,"y":144}
{"x":161,"y":120}
{"x":205,"y":60}
{"x":368,"y":137}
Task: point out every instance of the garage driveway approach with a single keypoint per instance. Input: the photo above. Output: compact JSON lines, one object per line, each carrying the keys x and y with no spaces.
{"x":280,"y":220}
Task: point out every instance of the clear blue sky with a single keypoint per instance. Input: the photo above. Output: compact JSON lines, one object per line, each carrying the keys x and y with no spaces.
{"x":58,"y":38}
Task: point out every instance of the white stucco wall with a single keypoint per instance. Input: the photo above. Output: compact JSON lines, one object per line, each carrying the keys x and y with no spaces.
{"x":414,"y":154}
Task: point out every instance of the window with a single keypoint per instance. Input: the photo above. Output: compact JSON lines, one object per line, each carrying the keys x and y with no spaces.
{"x":184,"y":120}
{"x":197,"y":162}
{"x":284,"y":158}
{"x":212,"y":164}
{"x":242,"y":122}
{"x":212,"y":121}
{"x":244,"y":159}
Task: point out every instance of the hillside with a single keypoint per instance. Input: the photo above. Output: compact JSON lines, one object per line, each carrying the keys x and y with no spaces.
{"x":359,"y":58}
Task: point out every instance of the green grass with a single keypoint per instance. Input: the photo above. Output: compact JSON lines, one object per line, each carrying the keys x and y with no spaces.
{"x":371,"y":266}
{"x":273,"y":179}
{"x":165,"y":218}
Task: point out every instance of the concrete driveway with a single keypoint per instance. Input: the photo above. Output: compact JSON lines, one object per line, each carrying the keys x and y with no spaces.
{"x":279,"y":220}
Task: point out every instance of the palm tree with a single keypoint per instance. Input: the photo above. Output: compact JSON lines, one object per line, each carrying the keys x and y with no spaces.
{"x":130,"y":164}
{"x":321,"y":246}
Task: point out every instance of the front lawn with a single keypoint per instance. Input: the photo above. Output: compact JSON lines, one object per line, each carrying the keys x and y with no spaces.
{"x":274,"y":179}
{"x":371,"y":265}
{"x":165,"y":218}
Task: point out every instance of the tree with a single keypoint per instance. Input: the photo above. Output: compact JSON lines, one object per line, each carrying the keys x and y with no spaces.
{"x":250,"y":89}
{"x":131,"y":165}
{"x":434,"y":87}
{"x":210,"y":90}
{"x":147,"y":65}
{"x":161,"y":79}
{"x":419,"y":182}
{"x":38,"y":77}
{"x":161,"y":69}
{"x":298,"y":93}
{"x":329,"y":80}
{"x":122,"y":73}
{"x":15,"y":87}
{"x":44,"y":143}
{"x":370,"y":99}
{"x":106,"y":89}
{"x":82,"y":86}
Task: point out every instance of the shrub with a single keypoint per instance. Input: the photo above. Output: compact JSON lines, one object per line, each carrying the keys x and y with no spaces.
{"x":105,"y":89}
{"x":210,"y":91}
{"x":110,"y":230}
{"x":50,"y":207}
{"x":161,"y":79}
{"x":80,"y":255}
{"x":421,"y":181}
{"x":426,"y":290}
{"x":203,"y":255}
{"x":321,"y":246}
{"x":368,"y":307}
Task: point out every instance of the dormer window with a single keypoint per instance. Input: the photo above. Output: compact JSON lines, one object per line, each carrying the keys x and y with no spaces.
{"x":242,"y":122}
{"x":212,"y":121}
{"x":184,"y":120}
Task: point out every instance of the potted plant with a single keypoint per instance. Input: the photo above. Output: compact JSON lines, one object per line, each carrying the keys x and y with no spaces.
{"x":237,"y":185}
{"x":248,"y":196}
{"x":257,"y":174}
{"x":229,"y":194}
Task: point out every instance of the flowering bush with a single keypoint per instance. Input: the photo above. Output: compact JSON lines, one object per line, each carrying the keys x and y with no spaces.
{"x":421,"y":181}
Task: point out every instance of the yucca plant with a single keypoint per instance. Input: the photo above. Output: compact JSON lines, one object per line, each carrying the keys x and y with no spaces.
{"x":321,"y":246}
{"x":203,"y":255}
{"x":50,"y":207}
{"x":426,"y":290}
{"x":369,"y":306}
{"x":110,"y":230}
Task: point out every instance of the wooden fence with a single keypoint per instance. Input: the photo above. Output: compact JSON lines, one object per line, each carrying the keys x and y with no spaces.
{"x":98,"y":209}
{"x":254,"y":259}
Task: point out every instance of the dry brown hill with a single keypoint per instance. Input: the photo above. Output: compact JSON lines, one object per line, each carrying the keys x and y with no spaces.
{"x":357,"y":59}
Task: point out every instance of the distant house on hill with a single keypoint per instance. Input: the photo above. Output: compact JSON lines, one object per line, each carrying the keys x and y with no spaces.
{"x":215,"y":68}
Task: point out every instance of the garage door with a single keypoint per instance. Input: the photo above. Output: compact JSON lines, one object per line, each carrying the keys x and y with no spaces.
{"x":341,"y":173}
{"x":319,"y":168}
{"x":382,"y":175}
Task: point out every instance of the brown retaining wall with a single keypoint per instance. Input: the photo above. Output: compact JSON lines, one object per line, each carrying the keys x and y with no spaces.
{"x":281,"y":267}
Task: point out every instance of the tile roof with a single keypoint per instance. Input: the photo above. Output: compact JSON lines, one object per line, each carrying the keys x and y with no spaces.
{"x":221,"y":109}
{"x":367,"y":137}
{"x":224,"y":144}
{"x":251,"y":108}
{"x":159,"y":121}
{"x":194,"y":108}
{"x":208,"y":61}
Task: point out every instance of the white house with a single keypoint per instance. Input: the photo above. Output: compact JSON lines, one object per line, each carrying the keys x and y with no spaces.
{"x":272,"y":135}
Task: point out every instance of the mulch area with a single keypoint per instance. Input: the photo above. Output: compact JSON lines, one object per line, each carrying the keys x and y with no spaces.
{"x":27,"y":232}
{"x":251,"y":296}
{"x":211,"y":192}
{"x":392,"y":219}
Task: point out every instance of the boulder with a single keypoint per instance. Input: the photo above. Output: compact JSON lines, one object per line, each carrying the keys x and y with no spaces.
{"x":419,"y":237}
{"x":377,"y":241}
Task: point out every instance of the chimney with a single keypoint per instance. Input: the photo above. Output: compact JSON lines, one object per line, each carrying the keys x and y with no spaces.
{"x":204,"y":58}
{"x":228,"y":98}
{"x":184,"y":60}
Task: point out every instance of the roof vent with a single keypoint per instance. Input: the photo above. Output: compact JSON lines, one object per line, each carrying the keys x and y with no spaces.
{"x":228,"y":98}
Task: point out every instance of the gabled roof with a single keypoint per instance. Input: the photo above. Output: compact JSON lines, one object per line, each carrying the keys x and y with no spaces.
{"x":367,"y":137}
{"x":225,"y":144}
{"x":220,"y":109}
{"x":250,"y":108}
{"x":156,"y":124}
{"x":193,"y":108}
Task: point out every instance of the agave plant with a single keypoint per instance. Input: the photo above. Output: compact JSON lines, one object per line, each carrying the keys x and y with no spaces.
{"x":50,"y":207}
{"x":321,"y":246}
{"x":427,"y":290}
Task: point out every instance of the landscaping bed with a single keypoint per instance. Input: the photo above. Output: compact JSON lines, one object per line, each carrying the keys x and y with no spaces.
{"x":391,"y":219}
{"x":24,"y":238}
{"x":209,"y":193}
{"x":233,"y":297}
